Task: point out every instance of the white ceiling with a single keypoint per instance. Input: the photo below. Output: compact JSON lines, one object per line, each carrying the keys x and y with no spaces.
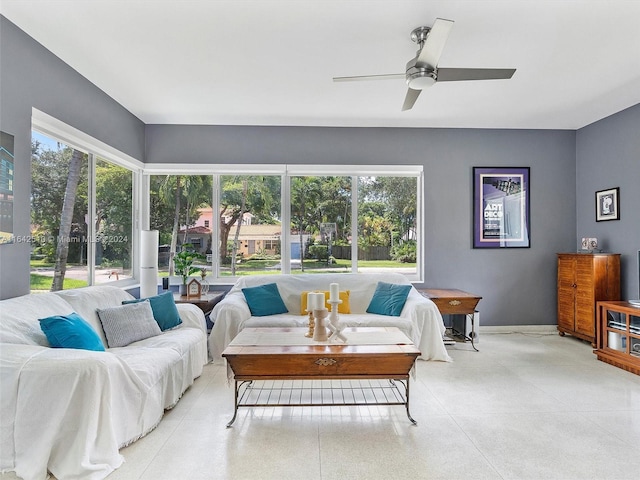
{"x":271,"y":62}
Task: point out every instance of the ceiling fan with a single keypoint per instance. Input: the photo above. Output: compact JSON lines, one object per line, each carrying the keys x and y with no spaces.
{"x":423,"y":70}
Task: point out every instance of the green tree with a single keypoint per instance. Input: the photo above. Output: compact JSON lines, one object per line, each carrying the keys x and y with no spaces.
{"x":398,"y":195}
{"x":335,"y":205}
{"x":113,"y":212}
{"x":185,"y":194}
{"x":59,"y":183}
{"x":306,"y":193}
{"x":257,"y":194}
{"x":66,"y":219}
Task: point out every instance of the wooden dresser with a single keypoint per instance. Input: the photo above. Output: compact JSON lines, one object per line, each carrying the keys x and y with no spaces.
{"x":583,"y":280}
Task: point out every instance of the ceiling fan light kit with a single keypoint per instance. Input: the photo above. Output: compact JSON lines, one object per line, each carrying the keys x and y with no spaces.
{"x":423,"y":71}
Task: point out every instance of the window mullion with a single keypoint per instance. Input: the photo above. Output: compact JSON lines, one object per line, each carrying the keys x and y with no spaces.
{"x":216,"y":191}
{"x":285,"y":232}
{"x":91,"y":220}
{"x":354,"y":224}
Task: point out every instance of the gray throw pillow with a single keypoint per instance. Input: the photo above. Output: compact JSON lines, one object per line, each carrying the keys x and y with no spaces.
{"x":128,"y":323}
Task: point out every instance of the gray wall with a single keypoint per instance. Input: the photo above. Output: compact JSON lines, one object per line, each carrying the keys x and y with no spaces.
{"x":31,"y":76}
{"x":518,"y":286}
{"x":608,"y":156}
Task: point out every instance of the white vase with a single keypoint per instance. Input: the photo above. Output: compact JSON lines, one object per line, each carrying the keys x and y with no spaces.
{"x":182,"y":289}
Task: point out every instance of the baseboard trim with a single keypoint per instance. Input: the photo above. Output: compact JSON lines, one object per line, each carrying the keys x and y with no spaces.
{"x":536,"y":329}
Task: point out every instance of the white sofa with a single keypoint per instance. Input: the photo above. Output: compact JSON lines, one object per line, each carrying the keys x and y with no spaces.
{"x":69,"y":411}
{"x":420,"y":319}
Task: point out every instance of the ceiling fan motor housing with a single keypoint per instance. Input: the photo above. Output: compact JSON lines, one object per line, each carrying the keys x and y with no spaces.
{"x":419,"y":78}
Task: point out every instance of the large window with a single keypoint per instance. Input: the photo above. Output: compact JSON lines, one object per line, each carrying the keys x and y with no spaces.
{"x":82,"y":214}
{"x":290,"y":221}
{"x":59,"y":213}
{"x":320,"y":223}
{"x":113,"y":221}
{"x":388,"y":223}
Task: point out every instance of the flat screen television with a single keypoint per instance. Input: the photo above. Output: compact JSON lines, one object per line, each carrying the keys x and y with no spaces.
{"x":638,"y":276}
{"x":636,"y":302}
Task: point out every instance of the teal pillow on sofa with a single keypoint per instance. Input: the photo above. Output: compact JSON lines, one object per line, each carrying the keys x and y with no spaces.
{"x":70,"y":331}
{"x":389,"y":299}
{"x":164,"y":310}
{"x":264,"y":300}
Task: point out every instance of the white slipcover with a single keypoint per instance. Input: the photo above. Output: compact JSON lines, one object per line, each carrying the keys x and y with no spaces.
{"x":70,"y":411}
{"x":420,"y":319}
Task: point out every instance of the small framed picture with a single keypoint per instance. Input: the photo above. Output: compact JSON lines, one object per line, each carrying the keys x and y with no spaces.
{"x":193,"y":288}
{"x":608,"y":205}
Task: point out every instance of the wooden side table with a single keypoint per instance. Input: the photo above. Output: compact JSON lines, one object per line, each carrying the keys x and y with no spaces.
{"x":455,"y":302}
{"x":204,"y":302}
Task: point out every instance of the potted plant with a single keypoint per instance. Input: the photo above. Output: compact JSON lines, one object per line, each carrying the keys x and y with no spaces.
{"x":184,"y":267}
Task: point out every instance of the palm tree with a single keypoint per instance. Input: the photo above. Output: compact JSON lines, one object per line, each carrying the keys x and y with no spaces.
{"x":190,"y":191}
{"x":66,"y":219}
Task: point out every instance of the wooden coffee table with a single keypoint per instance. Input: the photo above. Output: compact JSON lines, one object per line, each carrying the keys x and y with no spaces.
{"x":274,"y":366}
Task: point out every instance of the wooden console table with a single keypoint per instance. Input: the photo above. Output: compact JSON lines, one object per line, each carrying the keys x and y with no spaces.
{"x":455,"y":302}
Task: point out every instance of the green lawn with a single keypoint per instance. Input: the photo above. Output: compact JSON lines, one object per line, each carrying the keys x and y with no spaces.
{"x":266,"y":267}
{"x":249,"y":267}
{"x":43,"y":282}
{"x":40,"y":263}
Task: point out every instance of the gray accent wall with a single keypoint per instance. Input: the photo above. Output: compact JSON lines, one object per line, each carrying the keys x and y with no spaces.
{"x":31,"y":76}
{"x":608,"y":156}
{"x":518,"y":286}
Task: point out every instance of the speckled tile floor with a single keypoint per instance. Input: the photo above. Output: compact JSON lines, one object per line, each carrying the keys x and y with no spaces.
{"x":526,"y":406}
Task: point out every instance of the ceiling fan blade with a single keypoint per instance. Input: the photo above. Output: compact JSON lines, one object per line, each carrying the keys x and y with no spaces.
{"x":433,"y":46}
{"x":458,"y":74}
{"x":388,"y":76}
{"x":410,"y":99}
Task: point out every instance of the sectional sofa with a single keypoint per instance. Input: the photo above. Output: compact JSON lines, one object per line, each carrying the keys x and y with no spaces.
{"x":68,"y":411}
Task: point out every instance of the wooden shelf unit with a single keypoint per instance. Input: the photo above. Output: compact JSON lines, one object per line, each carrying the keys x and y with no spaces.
{"x":618,"y":335}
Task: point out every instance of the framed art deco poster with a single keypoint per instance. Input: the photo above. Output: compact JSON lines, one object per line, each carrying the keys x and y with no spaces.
{"x":501,"y":207}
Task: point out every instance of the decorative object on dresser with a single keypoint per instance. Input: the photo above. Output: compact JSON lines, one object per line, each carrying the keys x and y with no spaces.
{"x":589,"y":244}
{"x":618,"y":335}
{"x":583,"y":280}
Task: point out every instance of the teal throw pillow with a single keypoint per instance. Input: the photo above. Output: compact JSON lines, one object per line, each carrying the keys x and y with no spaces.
{"x":164,"y":310}
{"x":70,"y":331}
{"x":264,"y":300}
{"x":389,"y":299}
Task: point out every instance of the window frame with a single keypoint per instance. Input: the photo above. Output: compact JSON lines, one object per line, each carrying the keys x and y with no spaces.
{"x":97,"y":150}
{"x":286,"y":171}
